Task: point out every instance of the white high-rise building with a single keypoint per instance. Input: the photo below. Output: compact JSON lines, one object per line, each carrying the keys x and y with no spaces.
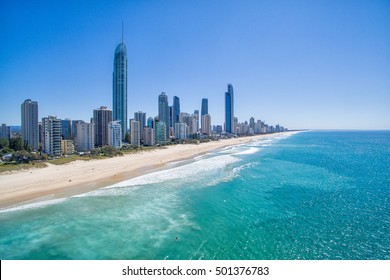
{"x":206,"y":124}
{"x":149,"y":136}
{"x":85,"y":139}
{"x":181,"y":130}
{"x":51,"y":141}
{"x":135,"y":137}
{"x":115,"y":134}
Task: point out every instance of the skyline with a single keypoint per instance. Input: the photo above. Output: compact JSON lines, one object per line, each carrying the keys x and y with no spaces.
{"x":304,"y":65}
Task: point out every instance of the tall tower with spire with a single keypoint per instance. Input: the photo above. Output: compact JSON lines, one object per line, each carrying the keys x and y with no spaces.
{"x":119,"y":86}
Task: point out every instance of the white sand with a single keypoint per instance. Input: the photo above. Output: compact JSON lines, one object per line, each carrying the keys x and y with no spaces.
{"x":82,"y":176}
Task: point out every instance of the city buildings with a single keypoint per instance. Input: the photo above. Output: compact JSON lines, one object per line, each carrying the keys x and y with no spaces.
{"x":51,"y":140}
{"x":229,"y":110}
{"x":101,"y":118}
{"x":30,"y":130}
{"x":115,"y":134}
{"x":119,"y":98}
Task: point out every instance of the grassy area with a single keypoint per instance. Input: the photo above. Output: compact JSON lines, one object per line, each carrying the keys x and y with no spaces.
{"x":4,"y":167}
{"x":64,"y":160}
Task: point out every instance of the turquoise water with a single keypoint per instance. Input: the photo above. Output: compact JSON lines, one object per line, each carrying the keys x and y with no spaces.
{"x":311,"y":195}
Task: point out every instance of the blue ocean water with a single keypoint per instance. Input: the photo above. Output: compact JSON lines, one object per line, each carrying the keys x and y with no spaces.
{"x":310,"y":195}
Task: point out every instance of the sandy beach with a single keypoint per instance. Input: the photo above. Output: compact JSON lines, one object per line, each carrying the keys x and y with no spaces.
{"x":83,"y":176}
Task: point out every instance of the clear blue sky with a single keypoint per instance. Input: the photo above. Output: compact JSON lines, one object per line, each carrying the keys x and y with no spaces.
{"x":303,"y":64}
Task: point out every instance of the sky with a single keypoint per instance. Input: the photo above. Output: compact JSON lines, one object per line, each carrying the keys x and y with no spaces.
{"x":301,"y":64}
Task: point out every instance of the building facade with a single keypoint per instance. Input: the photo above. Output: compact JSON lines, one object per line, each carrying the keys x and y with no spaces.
{"x":101,"y":118}
{"x":141,"y":118}
{"x":51,"y":140}
{"x":206,"y":124}
{"x":135,"y":137}
{"x":181,"y":131}
{"x":205,"y":107}
{"x":149,"y":139}
{"x":115,"y":134}
{"x":30,"y":129}
{"x":66,"y":130}
{"x":161,"y":132}
{"x":85,"y":139}
{"x":67,"y":147}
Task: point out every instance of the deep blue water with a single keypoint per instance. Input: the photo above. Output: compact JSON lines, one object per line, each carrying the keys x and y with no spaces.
{"x":311,"y":195}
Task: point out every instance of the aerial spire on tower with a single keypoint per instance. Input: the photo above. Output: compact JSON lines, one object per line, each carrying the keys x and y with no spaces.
{"x":122,"y":31}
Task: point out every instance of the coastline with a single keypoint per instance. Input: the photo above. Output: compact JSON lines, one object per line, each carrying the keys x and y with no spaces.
{"x":83,"y":176}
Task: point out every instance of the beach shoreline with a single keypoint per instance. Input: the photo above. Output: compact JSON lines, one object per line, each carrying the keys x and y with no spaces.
{"x":56,"y":181}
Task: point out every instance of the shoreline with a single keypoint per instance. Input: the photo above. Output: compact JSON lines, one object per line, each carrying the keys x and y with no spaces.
{"x":58,"y":181}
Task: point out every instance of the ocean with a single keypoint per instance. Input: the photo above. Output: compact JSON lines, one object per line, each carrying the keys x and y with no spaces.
{"x":303,"y":196}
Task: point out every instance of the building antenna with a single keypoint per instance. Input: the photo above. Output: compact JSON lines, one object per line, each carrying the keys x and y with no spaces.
{"x":122,"y":31}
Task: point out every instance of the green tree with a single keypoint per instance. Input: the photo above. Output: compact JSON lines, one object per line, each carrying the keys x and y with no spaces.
{"x":16,"y":143}
{"x":4,"y":143}
{"x":127,"y":137}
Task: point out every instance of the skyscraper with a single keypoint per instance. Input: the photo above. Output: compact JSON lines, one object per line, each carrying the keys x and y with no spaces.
{"x":101,"y":118}
{"x":175,"y":110}
{"x":229,"y":110}
{"x":66,"y":129}
{"x":52,"y":130}
{"x":141,"y":118}
{"x":119,"y":87}
{"x":135,"y":137}
{"x":163,"y":110}
{"x":115,"y":134}
{"x":30,"y":130}
{"x":85,"y":139}
{"x":206,"y":124}
{"x":205,"y":106}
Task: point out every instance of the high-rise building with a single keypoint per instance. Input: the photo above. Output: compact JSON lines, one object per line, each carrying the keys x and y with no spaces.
{"x":206,"y":124}
{"x":194,"y":127}
{"x":163,"y":110}
{"x":119,"y":81}
{"x":151,"y":122}
{"x":5,"y":131}
{"x":141,"y":118}
{"x":52,"y":131}
{"x":85,"y":139}
{"x":135,"y":137}
{"x":30,"y":130}
{"x":115,"y":134}
{"x":66,"y":129}
{"x":175,"y":110}
{"x":205,"y":106}
{"x":148,"y":136}
{"x":229,"y":110}
{"x":101,"y":118}
{"x":181,"y":131}
{"x":161,"y":136}
{"x":252,"y":123}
